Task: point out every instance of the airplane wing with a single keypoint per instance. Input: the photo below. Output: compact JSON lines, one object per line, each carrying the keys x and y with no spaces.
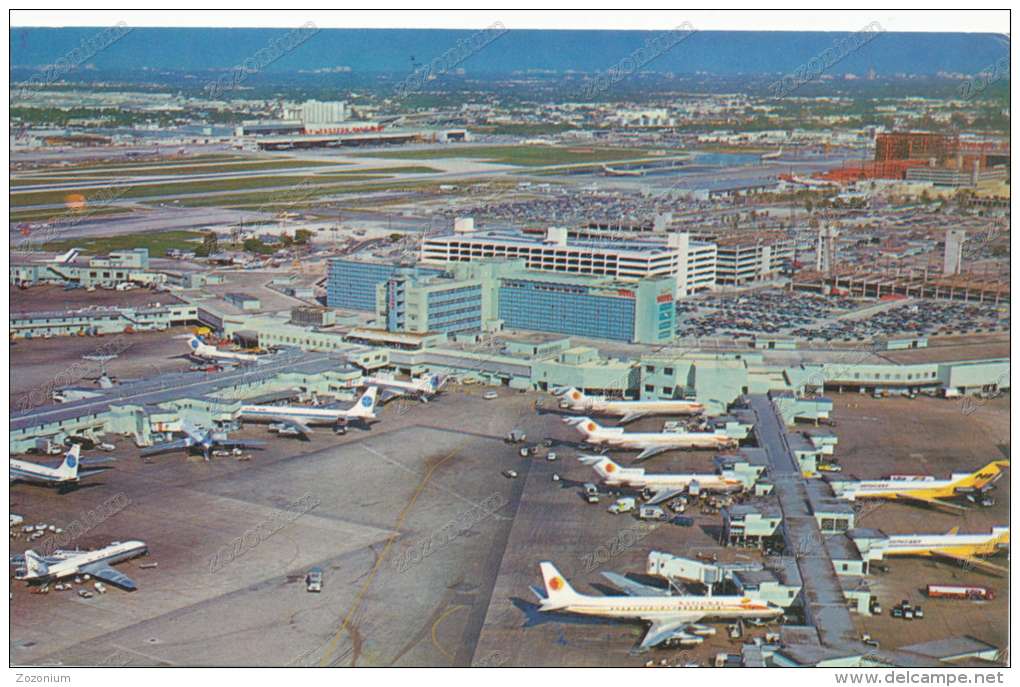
{"x":240,"y":443}
{"x":663,"y":495}
{"x":926,"y":501}
{"x":974,"y":562}
{"x":632,"y":588}
{"x":388,"y":394}
{"x":652,"y":451}
{"x":296,"y":425}
{"x":175,"y":445}
{"x":664,"y":628}
{"x":102,"y":571}
{"x":630,"y":417}
{"x":96,"y":460}
{"x":82,"y":474}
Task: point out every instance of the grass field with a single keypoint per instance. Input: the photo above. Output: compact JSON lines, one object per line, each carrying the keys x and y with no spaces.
{"x":529,"y":156}
{"x":40,"y":215}
{"x":239,"y":166}
{"x":184,"y":188}
{"x":135,"y":162}
{"x":157,"y":243}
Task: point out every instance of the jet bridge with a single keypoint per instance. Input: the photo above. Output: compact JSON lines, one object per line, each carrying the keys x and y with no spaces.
{"x":676,"y":568}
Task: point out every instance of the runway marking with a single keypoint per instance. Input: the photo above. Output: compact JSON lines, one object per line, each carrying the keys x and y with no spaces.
{"x":378,"y":562}
{"x":435,"y":626}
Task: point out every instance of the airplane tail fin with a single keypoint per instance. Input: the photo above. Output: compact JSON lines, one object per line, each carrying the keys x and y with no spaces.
{"x":35,"y":566}
{"x":986,"y":475}
{"x":953,"y":531}
{"x":604,"y":466}
{"x":584,"y":425}
{"x":432,"y":383}
{"x":558,"y":591}
{"x":365,"y":406}
{"x":69,"y":468}
{"x":570,"y":394}
{"x":195,"y":342}
{"x":1001,"y":536}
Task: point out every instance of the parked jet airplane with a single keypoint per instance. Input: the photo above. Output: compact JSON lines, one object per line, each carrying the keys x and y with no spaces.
{"x":650,"y":443}
{"x":926,"y":490}
{"x":297,"y":419}
{"x":627,"y":411}
{"x":671,"y":617}
{"x":67,"y":473}
{"x":663,"y":486}
{"x":207,"y":440}
{"x":424,"y":387}
{"x":95,"y":563}
{"x":201,"y":349}
{"x":961,"y":548}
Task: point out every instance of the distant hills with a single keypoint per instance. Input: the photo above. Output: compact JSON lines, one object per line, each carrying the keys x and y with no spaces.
{"x":726,"y":53}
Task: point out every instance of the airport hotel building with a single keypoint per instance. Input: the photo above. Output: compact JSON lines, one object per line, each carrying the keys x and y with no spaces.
{"x":494,"y":295}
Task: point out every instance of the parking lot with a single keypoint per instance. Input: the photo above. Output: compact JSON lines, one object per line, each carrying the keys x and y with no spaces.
{"x":832,"y":318}
{"x":761,"y":312}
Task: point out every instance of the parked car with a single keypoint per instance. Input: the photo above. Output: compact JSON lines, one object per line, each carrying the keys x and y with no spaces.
{"x":490,"y":395}
{"x":651,"y":513}
{"x":510,"y":474}
{"x":624,"y":505}
{"x":313,"y":580}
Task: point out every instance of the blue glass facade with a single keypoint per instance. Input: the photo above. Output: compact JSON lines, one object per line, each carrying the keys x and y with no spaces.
{"x":455,"y":310}
{"x":566,"y":309}
{"x":351,"y":284}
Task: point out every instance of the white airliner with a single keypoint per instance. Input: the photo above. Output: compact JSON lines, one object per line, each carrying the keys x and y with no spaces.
{"x":95,"y":563}
{"x":925,"y":490}
{"x":663,"y":486}
{"x":424,"y":387}
{"x":299,"y":418}
{"x":627,"y":411}
{"x":201,"y":349}
{"x":649,"y":443}
{"x":671,"y":617}
{"x":67,"y":473}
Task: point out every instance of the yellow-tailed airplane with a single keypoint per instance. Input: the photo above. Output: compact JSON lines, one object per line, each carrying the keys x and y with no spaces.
{"x":926,"y":490}
{"x":961,"y":548}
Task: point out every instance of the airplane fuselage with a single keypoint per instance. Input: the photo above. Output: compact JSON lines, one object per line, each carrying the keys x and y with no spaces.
{"x":677,"y":440}
{"x":306,"y":415}
{"x":652,"y":607}
{"x":623,"y":408}
{"x":74,"y":562}
{"x":638,"y":480}
{"x":953,"y":544}
{"x":33,"y":472}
